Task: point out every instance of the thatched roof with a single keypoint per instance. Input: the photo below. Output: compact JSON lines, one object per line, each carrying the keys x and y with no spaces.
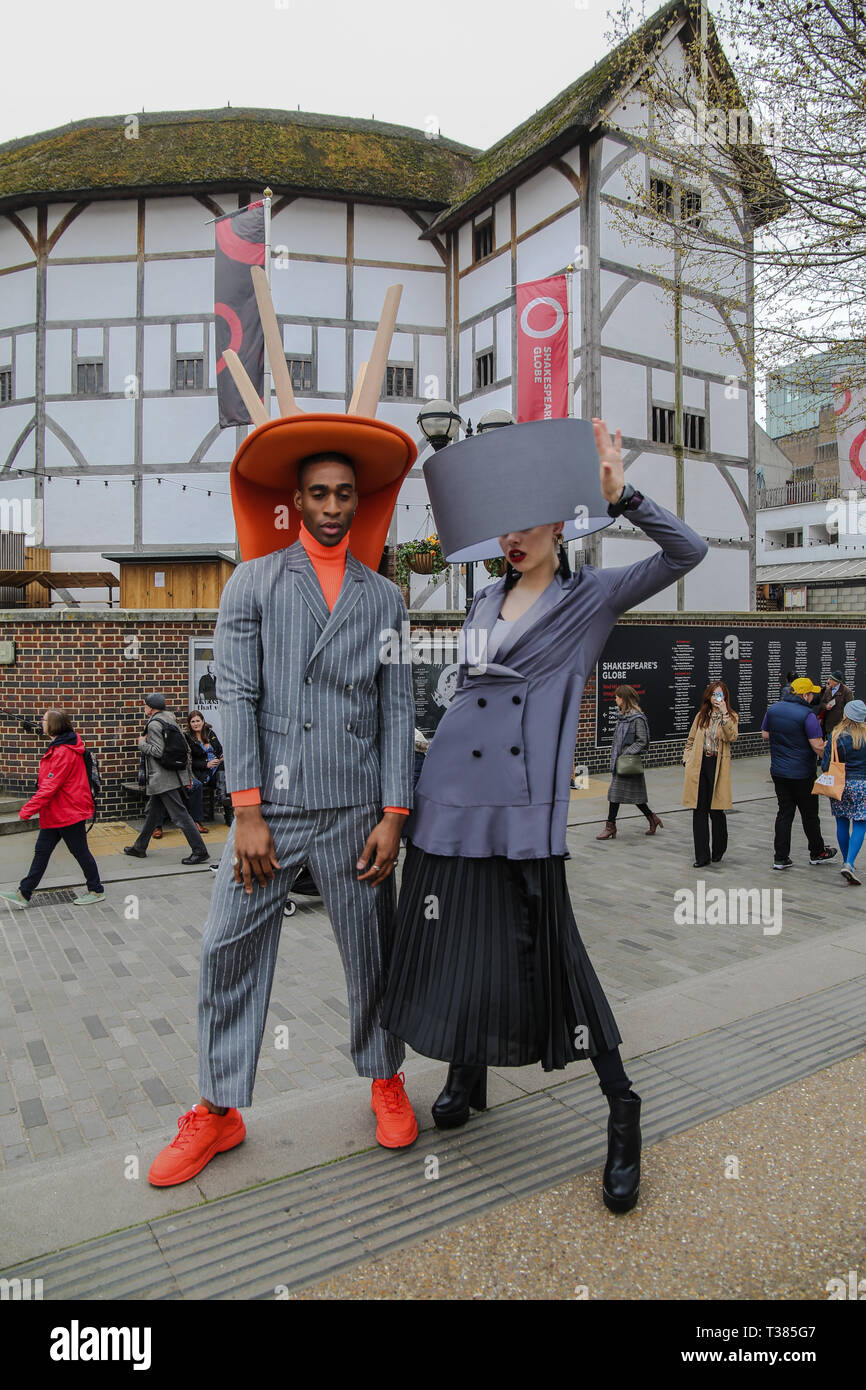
{"x":232,"y":149}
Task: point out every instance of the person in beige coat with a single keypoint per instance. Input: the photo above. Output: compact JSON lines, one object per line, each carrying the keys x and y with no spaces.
{"x":707,"y":783}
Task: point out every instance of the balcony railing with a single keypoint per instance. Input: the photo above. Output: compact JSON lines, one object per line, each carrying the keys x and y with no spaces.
{"x":812,"y":490}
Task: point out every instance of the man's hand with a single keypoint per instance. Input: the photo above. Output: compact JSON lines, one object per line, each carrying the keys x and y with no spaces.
{"x":382,"y":847}
{"x":254,"y":848}
{"x":612,"y":472}
{"x":142,"y":741}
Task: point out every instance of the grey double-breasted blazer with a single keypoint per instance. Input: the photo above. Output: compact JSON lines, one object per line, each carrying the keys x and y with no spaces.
{"x":310,"y":712}
{"x":496,"y":777}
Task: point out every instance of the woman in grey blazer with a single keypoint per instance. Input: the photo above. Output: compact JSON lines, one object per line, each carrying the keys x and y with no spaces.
{"x":487,"y":966}
{"x":631,"y":736}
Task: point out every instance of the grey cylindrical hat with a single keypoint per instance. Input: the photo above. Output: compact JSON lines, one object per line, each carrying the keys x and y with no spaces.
{"x":155,"y":700}
{"x":511,"y":479}
{"x":855,"y":710}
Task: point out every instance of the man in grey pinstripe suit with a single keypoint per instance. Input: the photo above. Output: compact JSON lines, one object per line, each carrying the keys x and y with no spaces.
{"x":319,"y":751}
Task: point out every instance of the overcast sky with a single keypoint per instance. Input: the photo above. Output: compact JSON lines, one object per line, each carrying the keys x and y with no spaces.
{"x":479,"y":67}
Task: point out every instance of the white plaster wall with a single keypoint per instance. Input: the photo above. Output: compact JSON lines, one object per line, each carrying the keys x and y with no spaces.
{"x":503,"y":342}
{"x":177,"y":287}
{"x":388,"y":234}
{"x":25,"y":364}
{"x":422,"y":301}
{"x":550,"y":250}
{"x":14,"y":250}
{"x":464,"y":245}
{"x":297,"y":339}
{"x":310,"y":289}
{"x":707,"y":342}
{"x":156,"y":374}
{"x":73,"y":513}
{"x":644,"y":317}
{"x":170,"y":516}
{"x":314,"y":226}
{"x":58,"y":361}
{"x":502,"y":222}
{"x":487,"y":284}
{"x":629,"y":177}
{"x":102,"y":430}
{"x":332,"y":359}
{"x":121,"y":357}
{"x":540,"y":196}
{"x":173,"y":427}
{"x":711,"y":507}
{"x":720,"y":583}
{"x":464,"y":375}
{"x":655,"y":475}
{"x":18,"y":294}
{"x":102,"y":229}
{"x":178,"y":224}
{"x":13,"y":419}
{"x":90,"y":292}
{"x":623,"y":396}
{"x":627,"y":240}
{"x":729,"y":421}
{"x":431,"y":367}
{"x":484,"y":334}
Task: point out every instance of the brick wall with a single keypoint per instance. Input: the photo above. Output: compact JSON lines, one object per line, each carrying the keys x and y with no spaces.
{"x":87,"y":661}
{"x":100,"y":663}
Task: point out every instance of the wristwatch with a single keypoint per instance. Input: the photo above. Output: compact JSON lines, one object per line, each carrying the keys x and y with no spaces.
{"x":627,"y":500}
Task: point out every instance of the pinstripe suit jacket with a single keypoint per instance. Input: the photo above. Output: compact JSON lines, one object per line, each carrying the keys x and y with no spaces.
{"x":310,"y":712}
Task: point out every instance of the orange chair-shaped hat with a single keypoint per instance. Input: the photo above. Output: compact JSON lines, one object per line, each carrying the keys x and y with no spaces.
{"x":264,"y":472}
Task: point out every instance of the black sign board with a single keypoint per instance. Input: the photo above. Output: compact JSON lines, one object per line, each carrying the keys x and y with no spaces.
{"x":670,"y":667}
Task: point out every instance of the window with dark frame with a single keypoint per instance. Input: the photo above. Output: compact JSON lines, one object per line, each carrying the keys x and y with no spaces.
{"x":663,"y":424}
{"x":483,"y":369}
{"x":399,"y":381}
{"x":88,"y":378}
{"x":5,"y":384}
{"x":661,"y":197}
{"x":482,"y":234}
{"x":301,"y":372}
{"x":694,"y":430}
{"x":189,"y":374}
{"x":690,"y":208}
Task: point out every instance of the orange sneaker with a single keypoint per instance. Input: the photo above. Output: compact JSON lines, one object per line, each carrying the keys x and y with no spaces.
{"x":201,"y":1135}
{"x":397,"y":1126}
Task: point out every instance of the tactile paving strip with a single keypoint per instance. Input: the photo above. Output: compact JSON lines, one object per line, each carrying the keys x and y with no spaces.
{"x":299,"y":1230}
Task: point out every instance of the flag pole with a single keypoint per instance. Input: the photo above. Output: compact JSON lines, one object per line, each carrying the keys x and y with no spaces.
{"x":267,"y":196}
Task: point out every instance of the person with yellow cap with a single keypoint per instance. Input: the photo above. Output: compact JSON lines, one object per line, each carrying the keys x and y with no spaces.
{"x":794,"y":736}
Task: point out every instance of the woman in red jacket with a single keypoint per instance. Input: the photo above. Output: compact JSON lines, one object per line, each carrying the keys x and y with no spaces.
{"x":64,"y":804}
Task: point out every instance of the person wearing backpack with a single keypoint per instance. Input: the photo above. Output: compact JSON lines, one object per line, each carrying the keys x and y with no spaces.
{"x":166,"y":758}
{"x":64,"y":803}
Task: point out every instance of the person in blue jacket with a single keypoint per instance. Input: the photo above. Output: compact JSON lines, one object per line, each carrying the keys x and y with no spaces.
{"x":849,"y":738}
{"x":795,"y":738}
{"x":487,"y":964}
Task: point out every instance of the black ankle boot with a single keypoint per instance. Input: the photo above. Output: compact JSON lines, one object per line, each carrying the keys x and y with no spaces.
{"x":621,"y":1181}
{"x":465,"y":1087}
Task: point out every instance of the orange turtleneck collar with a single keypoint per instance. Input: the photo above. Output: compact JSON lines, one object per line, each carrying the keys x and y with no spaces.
{"x":329,"y":562}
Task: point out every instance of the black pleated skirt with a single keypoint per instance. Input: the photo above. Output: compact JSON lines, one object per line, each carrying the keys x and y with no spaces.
{"x":487,"y":965}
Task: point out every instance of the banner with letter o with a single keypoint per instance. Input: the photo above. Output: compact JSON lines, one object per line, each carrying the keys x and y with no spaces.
{"x":542,"y":350}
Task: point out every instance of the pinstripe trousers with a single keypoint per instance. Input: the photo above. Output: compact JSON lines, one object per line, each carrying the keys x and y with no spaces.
{"x":242,"y":934}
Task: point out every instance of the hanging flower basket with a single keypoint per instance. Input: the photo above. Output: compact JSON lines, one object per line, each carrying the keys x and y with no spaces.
{"x":495,"y":567}
{"x":421,"y":557}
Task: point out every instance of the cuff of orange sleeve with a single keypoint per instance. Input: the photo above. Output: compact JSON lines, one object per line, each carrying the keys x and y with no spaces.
{"x":401,"y":810}
{"x":250,"y":796}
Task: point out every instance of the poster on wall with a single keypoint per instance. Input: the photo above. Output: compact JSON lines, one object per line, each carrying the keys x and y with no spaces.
{"x":203,"y":683}
{"x":670,"y":667}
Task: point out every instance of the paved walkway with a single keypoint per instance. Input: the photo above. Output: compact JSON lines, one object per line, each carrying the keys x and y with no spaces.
{"x":98,"y":1004}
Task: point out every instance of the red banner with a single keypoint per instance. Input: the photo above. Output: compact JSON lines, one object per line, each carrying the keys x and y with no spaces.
{"x":542,"y":350}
